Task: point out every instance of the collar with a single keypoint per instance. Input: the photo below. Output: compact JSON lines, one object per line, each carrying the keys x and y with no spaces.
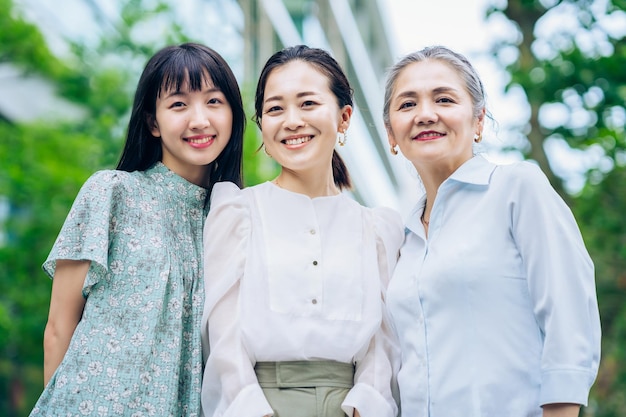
{"x":476,"y":170}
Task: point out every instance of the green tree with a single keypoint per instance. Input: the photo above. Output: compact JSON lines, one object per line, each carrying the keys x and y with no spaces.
{"x":581,"y":71}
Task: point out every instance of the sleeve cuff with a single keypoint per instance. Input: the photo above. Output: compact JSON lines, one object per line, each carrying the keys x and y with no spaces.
{"x":369,"y":402}
{"x":565,"y":386}
{"x":250,"y":402}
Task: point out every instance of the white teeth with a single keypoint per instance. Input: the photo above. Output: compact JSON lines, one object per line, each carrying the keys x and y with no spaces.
{"x":199,"y":141}
{"x":297,"y":141}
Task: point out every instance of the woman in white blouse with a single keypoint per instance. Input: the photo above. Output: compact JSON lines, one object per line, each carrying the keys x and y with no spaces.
{"x":296,"y":271}
{"x":493,"y":296}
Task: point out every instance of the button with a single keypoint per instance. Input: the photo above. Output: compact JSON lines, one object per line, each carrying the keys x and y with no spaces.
{"x":314,"y":301}
{"x":312,"y":231}
{"x":314,"y":262}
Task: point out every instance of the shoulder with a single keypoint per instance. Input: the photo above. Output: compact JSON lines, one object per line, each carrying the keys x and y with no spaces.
{"x":110,"y":179}
{"x":522,"y":177}
{"x":522,"y":171}
{"x":388,"y":225}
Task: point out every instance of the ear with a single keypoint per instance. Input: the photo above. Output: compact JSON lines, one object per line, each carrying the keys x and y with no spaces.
{"x":153,"y":125}
{"x":480,"y":125}
{"x":346,"y":115}
{"x":390,"y":137}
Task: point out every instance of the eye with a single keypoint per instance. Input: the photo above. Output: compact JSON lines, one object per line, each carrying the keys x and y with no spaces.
{"x":177,"y":104}
{"x":273,"y":109}
{"x":308,"y":103}
{"x":445,"y":100}
{"x":215,"y":100}
{"x":406,"y":105}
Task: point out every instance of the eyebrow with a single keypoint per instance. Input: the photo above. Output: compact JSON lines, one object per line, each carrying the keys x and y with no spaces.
{"x":185,"y":92}
{"x":438,"y":90}
{"x":299,"y":95}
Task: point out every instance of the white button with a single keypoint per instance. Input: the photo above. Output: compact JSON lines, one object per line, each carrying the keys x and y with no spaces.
{"x":312,"y":231}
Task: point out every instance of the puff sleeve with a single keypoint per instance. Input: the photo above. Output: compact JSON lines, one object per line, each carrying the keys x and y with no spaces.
{"x":375,"y":391}
{"x":230,"y":387}
{"x":86,"y":232}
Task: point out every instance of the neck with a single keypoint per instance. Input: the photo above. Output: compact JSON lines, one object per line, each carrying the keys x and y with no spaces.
{"x":311,"y":185}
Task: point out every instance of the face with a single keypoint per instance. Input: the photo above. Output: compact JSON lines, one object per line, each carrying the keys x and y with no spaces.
{"x":194,"y":128}
{"x":300,"y":118}
{"x":431,"y":116}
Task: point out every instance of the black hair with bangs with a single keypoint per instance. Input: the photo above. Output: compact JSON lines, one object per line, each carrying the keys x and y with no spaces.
{"x":170,"y":69}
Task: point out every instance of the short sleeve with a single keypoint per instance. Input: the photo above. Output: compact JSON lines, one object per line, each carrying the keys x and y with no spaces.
{"x":85,"y":235}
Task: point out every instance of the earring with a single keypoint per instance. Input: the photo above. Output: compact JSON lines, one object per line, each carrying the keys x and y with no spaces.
{"x":478,"y":137}
{"x":342,"y":138}
{"x":393,"y":150}
{"x":266,"y":152}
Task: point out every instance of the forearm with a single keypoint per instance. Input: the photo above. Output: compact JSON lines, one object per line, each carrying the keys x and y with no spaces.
{"x":66,"y":309}
{"x":55,"y":344}
{"x":561,"y":410}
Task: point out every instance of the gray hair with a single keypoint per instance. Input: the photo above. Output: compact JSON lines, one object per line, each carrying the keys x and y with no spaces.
{"x":453,"y":59}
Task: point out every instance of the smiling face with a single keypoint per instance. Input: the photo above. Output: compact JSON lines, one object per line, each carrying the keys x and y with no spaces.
{"x":431,"y":116}
{"x":194,"y":128}
{"x":300,"y":118}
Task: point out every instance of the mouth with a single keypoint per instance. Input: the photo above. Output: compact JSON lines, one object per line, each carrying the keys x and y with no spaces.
{"x":297,"y":140}
{"x":199,"y":140}
{"x":428,"y":135}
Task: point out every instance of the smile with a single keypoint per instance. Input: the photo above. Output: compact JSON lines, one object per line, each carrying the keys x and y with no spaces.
{"x":297,"y":141}
{"x":429,"y":135}
{"x":200,"y":141}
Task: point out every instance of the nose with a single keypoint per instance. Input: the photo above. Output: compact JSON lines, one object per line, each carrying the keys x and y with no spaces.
{"x":293,"y":119}
{"x":425,"y":114}
{"x":199,"y":118}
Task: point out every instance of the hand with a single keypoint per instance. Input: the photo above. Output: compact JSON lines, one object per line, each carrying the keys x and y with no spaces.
{"x":561,"y":410}
{"x":356,"y":413}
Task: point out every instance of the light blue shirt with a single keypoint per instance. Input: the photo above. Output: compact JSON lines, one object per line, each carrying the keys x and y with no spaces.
{"x":496,"y":311}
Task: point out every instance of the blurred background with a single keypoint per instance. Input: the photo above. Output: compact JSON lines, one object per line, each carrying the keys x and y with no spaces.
{"x":554,"y":71}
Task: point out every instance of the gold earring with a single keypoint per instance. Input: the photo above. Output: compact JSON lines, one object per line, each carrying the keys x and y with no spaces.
{"x":266,"y":152}
{"x":393,"y":149}
{"x":342,"y":138}
{"x":478,"y":137}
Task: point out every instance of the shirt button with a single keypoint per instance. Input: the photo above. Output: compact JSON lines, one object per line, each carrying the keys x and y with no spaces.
{"x":314,"y":262}
{"x":312,"y":231}
{"x":314,"y":301}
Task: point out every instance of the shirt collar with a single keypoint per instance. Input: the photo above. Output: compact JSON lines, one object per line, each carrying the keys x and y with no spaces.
{"x":477,"y":171}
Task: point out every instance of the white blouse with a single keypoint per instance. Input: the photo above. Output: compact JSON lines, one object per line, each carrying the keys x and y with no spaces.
{"x":294,"y":278}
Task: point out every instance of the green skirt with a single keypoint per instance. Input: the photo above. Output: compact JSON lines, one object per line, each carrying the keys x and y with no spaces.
{"x":305,"y":388}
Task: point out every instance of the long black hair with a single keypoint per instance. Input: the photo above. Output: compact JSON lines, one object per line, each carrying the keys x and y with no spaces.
{"x":338,"y":83}
{"x":170,"y":68}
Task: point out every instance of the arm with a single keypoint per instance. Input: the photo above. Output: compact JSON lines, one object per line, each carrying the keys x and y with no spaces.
{"x":230,"y":387}
{"x":374,"y":394}
{"x":66,"y":308}
{"x":560,"y":277}
{"x":561,"y":410}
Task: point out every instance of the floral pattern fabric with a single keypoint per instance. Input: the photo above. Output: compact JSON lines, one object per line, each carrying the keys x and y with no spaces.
{"x":137,"y":349}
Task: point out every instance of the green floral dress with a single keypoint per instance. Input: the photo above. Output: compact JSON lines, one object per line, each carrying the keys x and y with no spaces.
{"x":137,"y":349}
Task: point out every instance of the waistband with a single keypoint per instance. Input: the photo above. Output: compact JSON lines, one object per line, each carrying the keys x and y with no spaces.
{"x":305,"y":374}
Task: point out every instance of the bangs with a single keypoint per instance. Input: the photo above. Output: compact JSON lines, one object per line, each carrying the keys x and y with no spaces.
{"x":186,"y":70}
